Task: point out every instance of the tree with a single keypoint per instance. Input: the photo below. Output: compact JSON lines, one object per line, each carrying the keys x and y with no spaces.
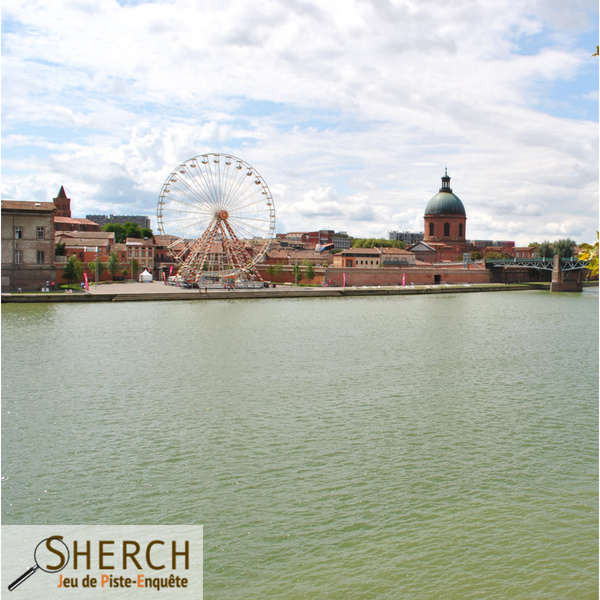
{"x":278,"y":270}
{"x":564,"y":247}
{"x":132,"y":230}
{"x":73,"y":269}
{"x":297,"y":272}
{"x":97,"y":266}
{"x":491,"y":255}
{"x":60,"y":249}
{"x":545,"y":250}
{"x":119,"y":231}
{"x":310,"y":272}
{"x":271,"y":272}
{"x":589,"y":252}
{"x":135,"y":267}
{"x":377,"y":243}
{"x":124,"y":272}
{"x":113,"y":265}
{"x":147,"y":233}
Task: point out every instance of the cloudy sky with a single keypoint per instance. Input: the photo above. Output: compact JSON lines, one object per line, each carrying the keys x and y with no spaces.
{"x":349,"y":109}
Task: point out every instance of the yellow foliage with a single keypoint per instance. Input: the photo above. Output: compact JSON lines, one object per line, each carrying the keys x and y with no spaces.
{"x":589,"y":252}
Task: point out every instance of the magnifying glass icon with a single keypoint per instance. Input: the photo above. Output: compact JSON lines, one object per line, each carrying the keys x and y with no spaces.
{"x":41,"y":555}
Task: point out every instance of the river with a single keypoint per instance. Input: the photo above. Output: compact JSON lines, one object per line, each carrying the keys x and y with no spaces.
{"x":407,"y":447}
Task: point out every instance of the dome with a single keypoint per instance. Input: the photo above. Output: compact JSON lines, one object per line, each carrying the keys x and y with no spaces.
{"x":445,"y":203}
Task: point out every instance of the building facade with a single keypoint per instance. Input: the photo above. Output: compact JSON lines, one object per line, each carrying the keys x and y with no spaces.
{"x":408,"y":237}
{"x":27,"y":245}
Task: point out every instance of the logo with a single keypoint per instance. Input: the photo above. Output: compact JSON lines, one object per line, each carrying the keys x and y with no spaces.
{"x":90,"y":561}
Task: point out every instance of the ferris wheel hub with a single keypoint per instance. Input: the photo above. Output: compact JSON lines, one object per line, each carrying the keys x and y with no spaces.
{"x":223,"y":215}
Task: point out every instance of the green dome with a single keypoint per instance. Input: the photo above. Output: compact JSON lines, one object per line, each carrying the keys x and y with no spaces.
{"x":445,"y":203}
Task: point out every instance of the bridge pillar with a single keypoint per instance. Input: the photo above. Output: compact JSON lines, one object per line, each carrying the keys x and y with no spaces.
{"x":562,"y":281}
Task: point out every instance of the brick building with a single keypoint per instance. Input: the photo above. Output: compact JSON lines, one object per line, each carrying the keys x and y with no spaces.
{"x":446,"y":223}
{"x":27,"y":245}
{"x":374,"y":258}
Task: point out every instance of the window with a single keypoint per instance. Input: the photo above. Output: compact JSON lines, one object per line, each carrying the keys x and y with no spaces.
{"x":431,"y":229}
{"x":446,"y":229}
{"x":40,"y":257}
{"x":460,"y":230}
{"x":18,"y":233}
{"x":40,"y":233}
{"x":137,"y":253}
{"x":129,"y":252}
{"x":18,"y":257}
{"x":143,"y":253}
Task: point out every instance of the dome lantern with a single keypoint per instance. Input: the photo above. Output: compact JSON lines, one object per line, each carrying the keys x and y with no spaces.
{"x":446,"y":183}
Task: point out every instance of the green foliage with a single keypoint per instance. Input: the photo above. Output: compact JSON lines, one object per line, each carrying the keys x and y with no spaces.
{"x":309,"y":273}
{"x":491,"y":255}
{"x":97,"y":266}
{"x":377,"y":243}
{"x":113,"y":264}
{"x":271,"y":271}
{"x":545,"y":250}
{"x":128,"y":230}
{"x":297,"y":272}
{"x":124,"y":272}
{"x":132,"y":230}
{"x":118,"y":230}
{"x":73,"y":269}
{"x":60,"y":249}
{"x":562,"y":247}
{"x":135,"y":267}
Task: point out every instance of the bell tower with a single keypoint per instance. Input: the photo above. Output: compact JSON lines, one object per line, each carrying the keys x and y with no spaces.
{"x":63,"y":204}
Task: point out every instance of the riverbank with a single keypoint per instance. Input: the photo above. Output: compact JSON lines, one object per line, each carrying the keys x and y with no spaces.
{"x":145,"y":292}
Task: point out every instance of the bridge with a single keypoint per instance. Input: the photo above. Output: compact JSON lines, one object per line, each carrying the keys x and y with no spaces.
{"x":566,"y":272}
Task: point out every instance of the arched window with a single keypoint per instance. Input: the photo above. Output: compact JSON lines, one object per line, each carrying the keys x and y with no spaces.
{"x":446,"y":229}
{"x":460,"y":230}
{"x":431,"y":229}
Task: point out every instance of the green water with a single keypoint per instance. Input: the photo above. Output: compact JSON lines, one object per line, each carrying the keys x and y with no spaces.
{"x":406,"y":447}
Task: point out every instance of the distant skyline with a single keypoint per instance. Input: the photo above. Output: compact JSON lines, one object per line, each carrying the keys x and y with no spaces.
{"x":350,"y":110}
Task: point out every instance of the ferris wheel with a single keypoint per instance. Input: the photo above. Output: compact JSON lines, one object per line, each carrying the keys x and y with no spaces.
{"x":220,"y":215}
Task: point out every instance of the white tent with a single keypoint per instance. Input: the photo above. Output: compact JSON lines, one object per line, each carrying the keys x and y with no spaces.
{"x":145,"y":277}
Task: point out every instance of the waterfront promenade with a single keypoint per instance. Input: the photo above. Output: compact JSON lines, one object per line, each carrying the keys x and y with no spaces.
{"x":140,"y":292}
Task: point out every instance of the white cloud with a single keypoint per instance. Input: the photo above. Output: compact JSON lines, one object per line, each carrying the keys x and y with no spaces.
{"x":349,"y":110}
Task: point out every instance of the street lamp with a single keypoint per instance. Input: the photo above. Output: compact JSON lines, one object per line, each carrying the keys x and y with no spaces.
{"x":97,"y":250}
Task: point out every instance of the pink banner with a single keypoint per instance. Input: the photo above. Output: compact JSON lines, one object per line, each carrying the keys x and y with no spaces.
{"x":87,"y":285}
{"x":344,"y":274}
{"x":171,"y":271}
{"x":403,"y":279}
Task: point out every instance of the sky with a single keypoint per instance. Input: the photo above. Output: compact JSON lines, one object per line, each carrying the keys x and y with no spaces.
{"x":350,"y":110}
